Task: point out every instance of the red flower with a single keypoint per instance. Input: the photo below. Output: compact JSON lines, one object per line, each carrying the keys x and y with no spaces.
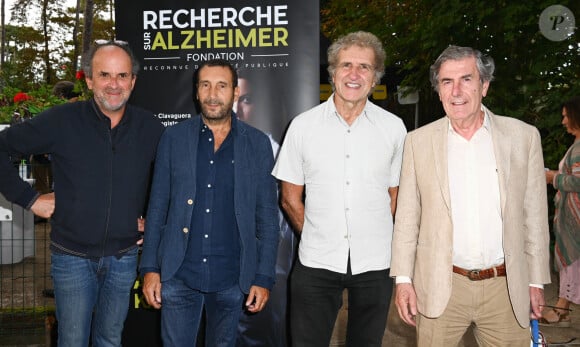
{"x":80,"y":75}
{"x":21,"y":96}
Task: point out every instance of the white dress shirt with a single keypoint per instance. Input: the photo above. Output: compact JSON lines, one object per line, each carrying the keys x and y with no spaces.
{"x":346,"y":171}
{"x":475,"y":199}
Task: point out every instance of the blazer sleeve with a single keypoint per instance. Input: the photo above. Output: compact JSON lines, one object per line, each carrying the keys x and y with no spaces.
{"x":158,"y":207}
{"x":536,"y":236}
{"x":408,"y":215}
{"x":266,"y":219}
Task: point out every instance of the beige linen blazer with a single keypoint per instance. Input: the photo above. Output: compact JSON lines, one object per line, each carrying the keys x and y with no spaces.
{"x":423,"y":234}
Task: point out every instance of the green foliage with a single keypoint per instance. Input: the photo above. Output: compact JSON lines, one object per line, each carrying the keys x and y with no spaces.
{"x":533,"y":74}
{"x":37,"y":101}
{"x":26,"y":64}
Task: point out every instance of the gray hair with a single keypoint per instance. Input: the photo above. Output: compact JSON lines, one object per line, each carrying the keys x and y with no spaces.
{"x":361,"y":39}
{"x":484,"y":63}
{"x":90,"y":54}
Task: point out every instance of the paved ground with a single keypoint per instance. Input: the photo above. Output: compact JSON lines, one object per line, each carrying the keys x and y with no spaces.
{"x":401,"y":335}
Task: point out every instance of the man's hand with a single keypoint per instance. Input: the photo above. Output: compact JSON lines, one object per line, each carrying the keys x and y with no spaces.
{"x":44,"y":205}
{"x":257,"y":299}
{"x":152,"y":289}
{"x":536,"y":302}
{"x":141,"y":229}
{"x":406,"y":302}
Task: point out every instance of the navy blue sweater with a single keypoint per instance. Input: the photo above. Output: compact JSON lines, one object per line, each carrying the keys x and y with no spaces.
{"x":101,"y":175}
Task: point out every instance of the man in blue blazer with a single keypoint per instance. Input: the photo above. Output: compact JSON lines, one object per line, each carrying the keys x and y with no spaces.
{"x":212,"y":225}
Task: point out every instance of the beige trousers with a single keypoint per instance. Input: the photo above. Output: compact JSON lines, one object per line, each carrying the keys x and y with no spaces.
{"x":486,"y":305}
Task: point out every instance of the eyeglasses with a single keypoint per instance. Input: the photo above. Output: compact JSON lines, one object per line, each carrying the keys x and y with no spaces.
{"x":107,"y":42}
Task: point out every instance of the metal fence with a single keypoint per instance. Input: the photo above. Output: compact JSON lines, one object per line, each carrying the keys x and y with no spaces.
{"x":26,"y":302}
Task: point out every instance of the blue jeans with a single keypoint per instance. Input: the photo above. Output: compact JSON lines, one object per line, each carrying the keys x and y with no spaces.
{"x":181,"y":314}
{"x":92,"y":293}
{"x":316,"y":297}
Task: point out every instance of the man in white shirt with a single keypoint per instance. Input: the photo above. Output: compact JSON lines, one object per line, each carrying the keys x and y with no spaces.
{"x":471,"y":234}
{"x":345,"y":157}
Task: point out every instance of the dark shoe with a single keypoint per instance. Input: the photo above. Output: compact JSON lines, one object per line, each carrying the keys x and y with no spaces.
{"x":563,"y":321}
{"x":48,"y":293}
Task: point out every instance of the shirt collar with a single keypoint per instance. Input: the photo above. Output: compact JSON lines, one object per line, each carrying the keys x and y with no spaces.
{"x":486,"y":121}
{"x":203,"y":126}
{"x":333,"y":112}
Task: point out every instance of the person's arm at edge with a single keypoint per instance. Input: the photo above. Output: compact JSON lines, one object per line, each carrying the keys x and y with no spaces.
{"x":20,"y":139}
{"x":408,"y":211}
{"x":393,"y":192}
{"x":537,"y":235}
{"x":156,"y":216}
{"x":568,"y":182}
{"x":293,"y":204}
{"x":267,"y":233}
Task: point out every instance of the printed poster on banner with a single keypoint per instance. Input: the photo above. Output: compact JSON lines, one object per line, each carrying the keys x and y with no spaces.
{"x":274,"y":45}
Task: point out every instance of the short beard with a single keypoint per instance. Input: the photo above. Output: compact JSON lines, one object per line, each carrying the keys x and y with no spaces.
{"x":102,"y":102}
{"x":224,"y":112}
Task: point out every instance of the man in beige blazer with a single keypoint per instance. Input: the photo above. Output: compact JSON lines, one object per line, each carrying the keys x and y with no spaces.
{"x":471,"y":240}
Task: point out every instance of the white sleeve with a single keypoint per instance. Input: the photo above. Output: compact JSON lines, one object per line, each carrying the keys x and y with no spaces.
{"x":288,"y":165}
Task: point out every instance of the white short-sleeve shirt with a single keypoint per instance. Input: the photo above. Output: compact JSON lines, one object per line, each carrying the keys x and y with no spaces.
{"x":346,"y":171}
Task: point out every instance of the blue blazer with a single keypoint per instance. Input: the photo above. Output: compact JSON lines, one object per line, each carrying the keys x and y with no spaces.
{"x":173,"y":195}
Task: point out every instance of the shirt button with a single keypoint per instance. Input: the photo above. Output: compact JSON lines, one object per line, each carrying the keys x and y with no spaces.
{"x":206,"y":236}
{"x":190,"y":201}
{"x":207,"y":210}
{"x":205,"y":260}
{"x":209,"y":185}
{"x":347,"y":183}
{"x":347,"y":156}
{"x":211,"y":161}
{"x":185,"y":230}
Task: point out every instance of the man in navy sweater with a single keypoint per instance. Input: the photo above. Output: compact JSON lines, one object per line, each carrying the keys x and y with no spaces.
{"x":102,"y":153}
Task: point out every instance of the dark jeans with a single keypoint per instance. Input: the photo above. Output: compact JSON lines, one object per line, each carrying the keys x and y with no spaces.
{"x":182,"y":312}
{"x":316,"y":297}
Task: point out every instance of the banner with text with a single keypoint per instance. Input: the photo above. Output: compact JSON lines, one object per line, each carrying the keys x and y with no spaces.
{"x":273,"y":44}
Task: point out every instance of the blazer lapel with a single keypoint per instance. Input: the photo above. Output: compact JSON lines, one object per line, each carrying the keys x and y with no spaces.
{"x":439,"y":150}
{"x":240,"y":158}
{"x":191,"y":154}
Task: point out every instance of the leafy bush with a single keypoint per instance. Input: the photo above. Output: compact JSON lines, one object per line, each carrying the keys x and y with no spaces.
{"x":16,"y":105}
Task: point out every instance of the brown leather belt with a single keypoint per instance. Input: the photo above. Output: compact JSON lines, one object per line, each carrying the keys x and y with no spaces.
{"x":478,"y":275}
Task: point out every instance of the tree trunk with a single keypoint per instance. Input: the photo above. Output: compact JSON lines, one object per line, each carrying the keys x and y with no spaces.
{"x":88,"y":27}
{"x":46,"y":53}
{"x":75,"y":37}
{"x":3,"y":34}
